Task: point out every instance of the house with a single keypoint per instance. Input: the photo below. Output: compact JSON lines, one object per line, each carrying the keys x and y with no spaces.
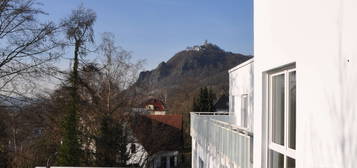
{"x":162,"y":138}
{"x":155,"y":107}
{"x":295,"y":104}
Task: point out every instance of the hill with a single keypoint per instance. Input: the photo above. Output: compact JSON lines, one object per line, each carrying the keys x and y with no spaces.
{"x":179,"y":79}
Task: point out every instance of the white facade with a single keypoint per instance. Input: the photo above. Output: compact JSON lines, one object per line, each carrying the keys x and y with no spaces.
{"x":305,"y":87}
{"x":320,"y":38}
{"x":241,"y":81}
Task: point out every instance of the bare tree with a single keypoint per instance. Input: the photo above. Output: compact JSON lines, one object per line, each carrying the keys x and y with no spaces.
{"x":27,"y":52}
{"x":103,"y":91}
{"x":27,"y":45}
{"x":119,"y":71}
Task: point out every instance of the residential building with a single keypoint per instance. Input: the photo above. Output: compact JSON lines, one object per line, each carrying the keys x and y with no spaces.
{"x":151,"y":107}
{"x":162,"y":138}
{"x":297,"y":106}
{"x":225,"y":139}
{"x":155,"y":107}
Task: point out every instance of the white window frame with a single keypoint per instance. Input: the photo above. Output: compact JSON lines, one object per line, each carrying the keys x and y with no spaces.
{"x":281,"y":149}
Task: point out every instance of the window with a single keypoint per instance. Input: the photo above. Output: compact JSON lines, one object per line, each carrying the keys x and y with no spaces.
{"x":244,"y":110}
{"x":133,"y":148}
{"x":282,"y":119}
{"x":163,"y":162}
{"x":232,"y":104}
{"x":172,"y":161}
{"x":194,"y":146}
{"x":201,"y":163}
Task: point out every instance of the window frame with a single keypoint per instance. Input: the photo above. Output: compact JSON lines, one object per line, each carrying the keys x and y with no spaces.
{"x":284,"y":150}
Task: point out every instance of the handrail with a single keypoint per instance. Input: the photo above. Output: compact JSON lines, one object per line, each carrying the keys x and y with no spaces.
{"x":233,"y":127}
{"x":211,"y":113}
{"x":236,"y":128}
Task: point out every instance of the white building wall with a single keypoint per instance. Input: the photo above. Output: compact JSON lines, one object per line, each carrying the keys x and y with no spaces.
{"x":241,"y":82}
{"x":321,"y":37}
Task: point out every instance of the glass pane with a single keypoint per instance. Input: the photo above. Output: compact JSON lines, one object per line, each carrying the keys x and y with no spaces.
{"x":244,"y":110}
{"x":278,"y":104}
{"x":276,"y":160}
{"x":201,"y":163}
{"x":163,"y":162}
{"x":172,"y":161}
{"x":290,"y":163}
{"x":292,"y":109}
{"x":232,"y":104}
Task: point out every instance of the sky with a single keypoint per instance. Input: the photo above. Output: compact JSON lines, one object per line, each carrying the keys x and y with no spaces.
{"x":155,"y":30}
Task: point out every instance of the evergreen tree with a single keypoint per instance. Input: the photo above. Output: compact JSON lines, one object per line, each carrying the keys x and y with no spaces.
{"x":3,"y":145}
{"x":211,"y":98}
{"x":111,"y":144}
{"x":79,"y":31}
{"x":205,"y":101}
{"x":69,"y":151}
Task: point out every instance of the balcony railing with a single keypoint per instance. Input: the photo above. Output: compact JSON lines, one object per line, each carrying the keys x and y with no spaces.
{"x":214,"y":132}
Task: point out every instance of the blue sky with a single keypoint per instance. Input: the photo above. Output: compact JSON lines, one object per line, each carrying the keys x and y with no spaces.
{"x":156,"y":29}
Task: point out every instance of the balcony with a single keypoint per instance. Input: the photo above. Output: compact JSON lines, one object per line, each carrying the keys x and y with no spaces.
{"x":220,"y":138}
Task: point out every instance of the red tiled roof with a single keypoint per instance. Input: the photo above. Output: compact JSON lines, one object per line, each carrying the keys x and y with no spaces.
{"x":174,"y":120}
{"x":159,"y":132}
{"x":158,"y":105}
